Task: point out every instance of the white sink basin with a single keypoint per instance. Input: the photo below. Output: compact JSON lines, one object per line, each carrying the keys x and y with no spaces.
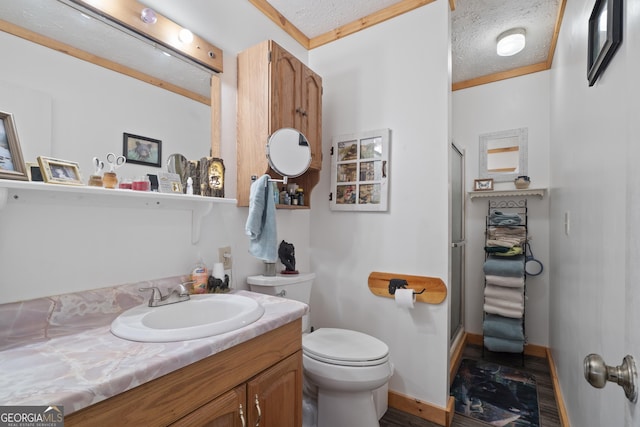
{"x":199,"y":317}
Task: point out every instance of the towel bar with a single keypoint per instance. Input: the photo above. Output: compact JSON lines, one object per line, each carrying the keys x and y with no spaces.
{"x":283,"y":180}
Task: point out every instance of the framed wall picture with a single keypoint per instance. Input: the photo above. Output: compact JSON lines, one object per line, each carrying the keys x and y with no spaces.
{"x":142,"y":150}
{"x":605,"y":36}
{"x":11,"y":163}
{"x":359,"y":171}
{"x":483,"y":184}
{"x":57,"y":171}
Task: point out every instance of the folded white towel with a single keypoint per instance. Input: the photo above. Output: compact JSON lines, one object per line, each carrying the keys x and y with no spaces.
{"x":511,"y":282}
{"x":506,"y":312}
{"x":500,"y":303}
{"x":504,"y":293}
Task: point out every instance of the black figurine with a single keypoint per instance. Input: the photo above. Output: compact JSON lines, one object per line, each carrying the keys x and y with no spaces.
{"x":287,"y":255}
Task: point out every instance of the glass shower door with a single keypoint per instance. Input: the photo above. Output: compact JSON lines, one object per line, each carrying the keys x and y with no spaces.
{"x":457,"y":241}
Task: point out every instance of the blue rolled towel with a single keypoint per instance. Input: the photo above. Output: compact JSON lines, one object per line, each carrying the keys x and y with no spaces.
{"x":502,"y":327}
{"x":511,"y":266}
{"x":501,"y":218}
{"x":503,"y":345}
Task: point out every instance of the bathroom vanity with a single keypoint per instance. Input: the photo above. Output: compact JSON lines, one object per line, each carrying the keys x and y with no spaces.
{"x":260,"y":380}
{"x":60,"y":351}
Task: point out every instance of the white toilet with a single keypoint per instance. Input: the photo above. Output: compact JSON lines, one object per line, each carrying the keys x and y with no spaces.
{"x":349,"y":370}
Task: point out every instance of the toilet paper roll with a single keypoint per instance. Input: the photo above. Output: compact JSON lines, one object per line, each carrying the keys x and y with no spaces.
{"x":218,"y":270}
{"x":405,"y":298}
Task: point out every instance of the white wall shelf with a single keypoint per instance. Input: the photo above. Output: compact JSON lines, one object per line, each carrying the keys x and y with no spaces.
{"x":39,"y":192}
{"x":540,"y":192}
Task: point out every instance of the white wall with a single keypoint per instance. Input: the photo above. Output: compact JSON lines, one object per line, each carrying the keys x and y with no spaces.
{"x":75,"y":110}
{"x":394,"y":75}
{"x":592,"y":131}
{"x":503,"y":105}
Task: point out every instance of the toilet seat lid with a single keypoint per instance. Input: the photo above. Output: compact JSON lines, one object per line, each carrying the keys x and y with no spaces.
{"x":344,"y":347}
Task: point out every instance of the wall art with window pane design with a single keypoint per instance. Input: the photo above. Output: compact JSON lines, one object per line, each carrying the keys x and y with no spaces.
{"x":360,"y":171}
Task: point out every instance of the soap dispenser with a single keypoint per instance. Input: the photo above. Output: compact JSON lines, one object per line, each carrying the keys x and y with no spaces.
{"x":200,"y":277}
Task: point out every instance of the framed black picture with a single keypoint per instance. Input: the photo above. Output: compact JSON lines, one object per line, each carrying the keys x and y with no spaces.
{"x":605,"y":35}
{"x":142,"y":150}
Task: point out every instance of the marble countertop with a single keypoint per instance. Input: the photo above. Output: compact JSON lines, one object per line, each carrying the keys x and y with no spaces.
{"x":60,"y":351}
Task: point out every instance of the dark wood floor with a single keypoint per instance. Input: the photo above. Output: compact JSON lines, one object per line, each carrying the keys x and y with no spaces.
{"x":533,"y":365}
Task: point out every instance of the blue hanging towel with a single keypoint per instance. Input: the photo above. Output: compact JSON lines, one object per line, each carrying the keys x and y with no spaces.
{"x":261,"y":222}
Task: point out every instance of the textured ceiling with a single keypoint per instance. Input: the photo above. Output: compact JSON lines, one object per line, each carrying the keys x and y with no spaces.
{"x":316,"y":17}
{"x":475,"y":26}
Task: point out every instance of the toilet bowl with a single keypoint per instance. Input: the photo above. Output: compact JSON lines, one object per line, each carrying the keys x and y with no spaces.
{"x":346,"y":367}
{"x":347,"y":371}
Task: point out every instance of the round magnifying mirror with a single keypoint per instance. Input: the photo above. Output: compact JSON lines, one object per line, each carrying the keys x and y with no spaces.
{"x":177,"y":163}
{"x":288,"y":152}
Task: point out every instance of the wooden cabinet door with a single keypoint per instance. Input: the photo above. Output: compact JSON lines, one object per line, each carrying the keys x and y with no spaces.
{"x":221,"y":412}
{"x":311,"y":121}
{"x":285,"y":89}
{"x":278,"y":392}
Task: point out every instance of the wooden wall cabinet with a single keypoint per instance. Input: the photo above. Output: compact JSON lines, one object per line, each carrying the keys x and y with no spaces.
{"x":275,"y":90}
{"x":210,"y":392}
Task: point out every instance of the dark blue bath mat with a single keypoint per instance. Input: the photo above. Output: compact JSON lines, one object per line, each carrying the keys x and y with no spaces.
{"x":496,"y":395}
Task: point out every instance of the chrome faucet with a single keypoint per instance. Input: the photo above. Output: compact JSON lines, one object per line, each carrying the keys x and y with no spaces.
{"x":179,"y":294}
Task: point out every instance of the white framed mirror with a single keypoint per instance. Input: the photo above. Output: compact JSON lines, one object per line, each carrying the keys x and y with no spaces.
{"x":503,"y":155}
{"x":288,"y":152}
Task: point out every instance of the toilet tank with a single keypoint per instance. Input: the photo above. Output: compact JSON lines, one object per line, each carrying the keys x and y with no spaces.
{"x":291,"y":286}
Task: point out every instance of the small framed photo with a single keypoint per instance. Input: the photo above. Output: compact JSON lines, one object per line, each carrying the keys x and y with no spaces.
{"x":169,"y":183}
{"x":11,"y":164}
{"x":485,"y":184}
{"x":605,"y":36}
{"x":142,"y":150}
{"x":57,"y":171}
{"x":33,"y":171}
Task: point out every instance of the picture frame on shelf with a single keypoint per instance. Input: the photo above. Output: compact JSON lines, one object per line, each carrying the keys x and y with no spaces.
{"x":169,"y":183}
{"x":483,"y":184}
{"x":605,"y":36}
{"x":142,"y":150}
{"x":33,"y":172}
{"x":58,"y":171}
{"x":211,"y":180}
{"x":12,"y":165}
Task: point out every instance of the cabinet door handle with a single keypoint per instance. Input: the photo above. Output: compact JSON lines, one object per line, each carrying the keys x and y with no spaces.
{"x":244,"y":424}
{"x":259,"y":411}
{"x":384,"y":168}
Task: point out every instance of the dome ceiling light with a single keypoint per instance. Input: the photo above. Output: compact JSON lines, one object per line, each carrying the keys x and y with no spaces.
{"x":511,"y":42}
